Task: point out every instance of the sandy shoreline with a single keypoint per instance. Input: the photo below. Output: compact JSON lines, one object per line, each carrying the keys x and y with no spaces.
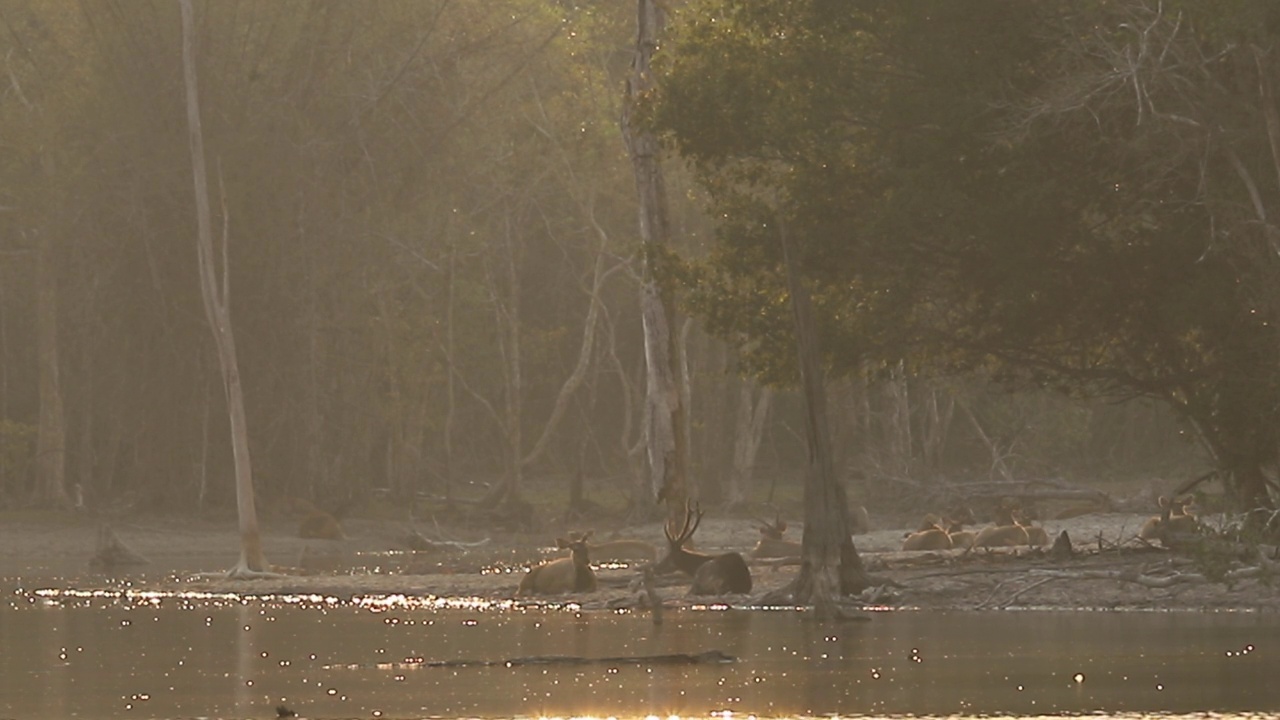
{"x":192,"y":554}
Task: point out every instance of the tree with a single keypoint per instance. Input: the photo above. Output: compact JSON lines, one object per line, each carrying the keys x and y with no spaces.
{"x":217,"y":298}
{"x":665,"y":413}
{"x":946,"y":229}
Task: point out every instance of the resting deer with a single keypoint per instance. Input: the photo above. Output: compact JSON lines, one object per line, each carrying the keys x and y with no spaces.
{"x":960,"y":538}
{"x":771,"y":544}
{"x":1007,"y":530}
{"x":565,"y":575}
{"x":931,"y":535}
{"x":712,"y":574}
{"x":1036,"y":535}
{"x":1174,"y":518}
{"x":614,"y":550}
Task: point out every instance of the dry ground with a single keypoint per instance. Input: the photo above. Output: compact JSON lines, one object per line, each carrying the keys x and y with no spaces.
{"x":54,"y":551}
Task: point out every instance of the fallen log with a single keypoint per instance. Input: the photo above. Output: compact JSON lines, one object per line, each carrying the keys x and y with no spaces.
{"x":709,"y":657}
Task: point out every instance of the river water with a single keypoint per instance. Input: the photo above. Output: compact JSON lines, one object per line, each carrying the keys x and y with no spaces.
{"x":125,"y":654}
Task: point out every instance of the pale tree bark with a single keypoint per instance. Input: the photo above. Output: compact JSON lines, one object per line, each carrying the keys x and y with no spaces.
{"x":830,"y":566}
{"x":901,"y":444}
{"x":217,"y":309}
{"x":936,"y":428}
{"x":665,"y":412}
{"x":51,"y":451}
{"x":753,"y":410}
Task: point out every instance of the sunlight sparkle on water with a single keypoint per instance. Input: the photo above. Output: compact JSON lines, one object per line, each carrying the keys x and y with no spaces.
{"x":375,"y":603}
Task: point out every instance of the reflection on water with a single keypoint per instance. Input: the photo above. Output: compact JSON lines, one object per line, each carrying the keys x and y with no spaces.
{"x":146,"y":655}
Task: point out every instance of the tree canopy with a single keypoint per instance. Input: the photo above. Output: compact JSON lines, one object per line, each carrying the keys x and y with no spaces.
{"x":1061,"y":194}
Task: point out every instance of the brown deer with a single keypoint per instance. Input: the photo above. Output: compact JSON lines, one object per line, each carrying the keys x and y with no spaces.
{"x":564,"y":575}
{"x":931,"y":535}
{"x":1037,"y":536}
{"x":1006,"y":531}
{"x":712,"y":574}
{"x":1174,"y":518}
{"x":616,"y":550}
{"x":960,"y":538}
{"x":771,"y":544}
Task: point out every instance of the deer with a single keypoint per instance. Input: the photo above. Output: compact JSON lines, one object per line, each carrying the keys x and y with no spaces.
{"x":1007,"y":530}
{"x":771,"y":544}
{"x":712,"y":574}
{"x":960,"y":538}
{"x":563,"y":575}
{"x":931,"y":535}
{"x":1036,"y":535}
{"x":1174,"y":518}
{"x":615,"y":550}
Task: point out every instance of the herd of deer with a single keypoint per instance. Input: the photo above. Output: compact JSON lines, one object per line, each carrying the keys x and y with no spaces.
{"x":726,"y":573}
{"x":712,"y":574}
{"x":1011,"y":528}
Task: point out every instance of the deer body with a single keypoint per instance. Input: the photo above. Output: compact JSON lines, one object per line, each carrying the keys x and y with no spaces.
{"x":932,"y":538}
{"x":565,"y":575}
{"x":1036,"y":535}
{"x":712,"y":574}
{"x":1173,"y":519}
{"x":1001,"y":536}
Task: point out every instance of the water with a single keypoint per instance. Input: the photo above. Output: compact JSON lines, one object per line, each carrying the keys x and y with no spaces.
{"x":140,"y":655}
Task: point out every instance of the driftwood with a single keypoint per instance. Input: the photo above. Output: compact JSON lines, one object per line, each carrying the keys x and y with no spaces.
{"x":709,"y":657}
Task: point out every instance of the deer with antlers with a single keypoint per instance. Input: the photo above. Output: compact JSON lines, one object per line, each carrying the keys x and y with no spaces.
{"x":564,"y":575}
{"x":771,"y":544}
{"x":712,"y":574}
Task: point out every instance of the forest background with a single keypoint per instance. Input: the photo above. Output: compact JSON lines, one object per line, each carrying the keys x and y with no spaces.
{"x":1038,"y":236}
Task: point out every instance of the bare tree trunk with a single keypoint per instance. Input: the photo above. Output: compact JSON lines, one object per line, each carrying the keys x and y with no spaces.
{"x":830,"y":565}
{"x":51,"y":450}
{"x":217,"y":308}
{"x":665,"y":413}
{"x":451,"y":391}
{"x":748,"y":430}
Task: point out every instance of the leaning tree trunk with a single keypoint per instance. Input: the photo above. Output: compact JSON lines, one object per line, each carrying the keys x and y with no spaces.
{"x":665,"y":413}
{"x":830,"y":565}
{"x":217,"y":309}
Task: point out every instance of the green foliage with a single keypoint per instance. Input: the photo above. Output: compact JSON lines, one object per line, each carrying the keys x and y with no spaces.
{"x":973,"y":191}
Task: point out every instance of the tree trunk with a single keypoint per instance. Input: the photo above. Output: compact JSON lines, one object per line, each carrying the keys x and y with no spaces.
{"x":217,"y":308}
{"x":665,"y":413}
{"x":830,"y":565}
{"x":51,"y":450}
{"x":748,"y":431}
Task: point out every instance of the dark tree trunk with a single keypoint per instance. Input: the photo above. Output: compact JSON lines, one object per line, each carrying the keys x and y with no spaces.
{"x":830,"y":565}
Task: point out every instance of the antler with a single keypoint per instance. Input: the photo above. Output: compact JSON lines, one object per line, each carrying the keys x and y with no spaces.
{"x":691,"y":513}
